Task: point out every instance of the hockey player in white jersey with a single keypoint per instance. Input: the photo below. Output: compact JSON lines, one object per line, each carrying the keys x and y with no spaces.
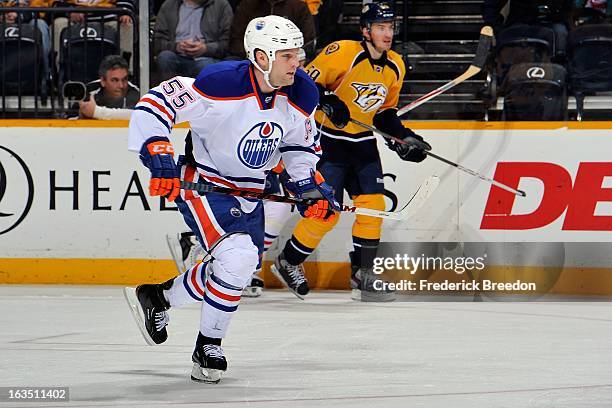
{"x":186,"y":250}
{"x":244,"y":116}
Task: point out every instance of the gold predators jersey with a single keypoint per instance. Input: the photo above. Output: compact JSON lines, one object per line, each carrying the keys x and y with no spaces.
{"x":366,"y":86}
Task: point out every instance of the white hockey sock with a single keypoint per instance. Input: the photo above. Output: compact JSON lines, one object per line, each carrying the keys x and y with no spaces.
{"x":220,"y":302}
{"x":276,"y":216}
{"x":188,"y":288}
{"x":235,"y":259}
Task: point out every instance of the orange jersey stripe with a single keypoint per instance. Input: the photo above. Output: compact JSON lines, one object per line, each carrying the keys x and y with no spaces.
{"x":194,"y":281}
{"x":158,"y":106}
{"x":221,"y":295}
{"x":210,"y":233}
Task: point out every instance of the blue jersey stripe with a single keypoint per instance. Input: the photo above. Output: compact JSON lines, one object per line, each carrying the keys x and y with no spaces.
{"x":161,"y":96}
{"x":224,"y":284}
{"x":296,"y":149}
{"x":186,"y":284}
{"x":149,"y":110}
{"x":219,"y":306}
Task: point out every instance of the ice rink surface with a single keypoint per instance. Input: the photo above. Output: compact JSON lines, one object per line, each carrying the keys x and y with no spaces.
{"x":327,"y":351}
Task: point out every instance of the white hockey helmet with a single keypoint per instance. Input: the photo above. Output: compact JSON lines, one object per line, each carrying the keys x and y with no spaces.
{"x":270,"y":34}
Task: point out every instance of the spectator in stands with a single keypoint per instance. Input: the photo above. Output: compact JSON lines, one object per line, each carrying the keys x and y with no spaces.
{"x":555,"y":14}
{"x":112,"y":96}
{"x":326,"y":15}
{"x":34,"y":20}
{"x":191,"y":34}
{"x":9,"y":17}
{"x":294,"y":10}
{"x":602,"y":7}
{"x":123,"y":24}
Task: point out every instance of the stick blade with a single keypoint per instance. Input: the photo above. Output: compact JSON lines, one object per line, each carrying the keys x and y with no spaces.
{"x":421,"y":196}
{"x":484,"y":46}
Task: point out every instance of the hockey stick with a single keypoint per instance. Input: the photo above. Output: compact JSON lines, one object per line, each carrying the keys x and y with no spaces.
{"x":424,"y":147}
{"x":482,"y":52}
{"x":410,"y":209}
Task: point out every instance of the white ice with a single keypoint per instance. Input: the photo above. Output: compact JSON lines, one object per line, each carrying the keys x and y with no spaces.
{"x":327,"y":351}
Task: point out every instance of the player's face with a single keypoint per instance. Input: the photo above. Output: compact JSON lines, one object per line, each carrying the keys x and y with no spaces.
{"x":115,"y":83}
{"x":381,"y":35}
{"x":284,"y":67}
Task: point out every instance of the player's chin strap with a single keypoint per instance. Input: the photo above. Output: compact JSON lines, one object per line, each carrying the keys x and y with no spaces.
{"x":266,"y":73}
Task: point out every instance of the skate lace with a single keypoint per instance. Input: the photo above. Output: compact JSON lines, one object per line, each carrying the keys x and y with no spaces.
{"x":161,"y":320}
{"x":295,"y":272}
{"x":214,"y":351}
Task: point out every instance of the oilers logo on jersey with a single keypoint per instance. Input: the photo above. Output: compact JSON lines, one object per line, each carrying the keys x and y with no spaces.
{"x":259,"y":144}
{"x":369,"y":96}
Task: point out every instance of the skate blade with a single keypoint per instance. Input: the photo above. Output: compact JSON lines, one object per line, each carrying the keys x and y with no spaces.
{"x":280,"y":278}
{"x":252,"y":292}
{"x":176,"y":256}
{"x":132,"y":301}
{"x":365,"y":296}
{"x":205,"y":375}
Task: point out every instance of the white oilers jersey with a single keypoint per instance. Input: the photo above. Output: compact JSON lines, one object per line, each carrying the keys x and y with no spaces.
{"x":238,"y":134}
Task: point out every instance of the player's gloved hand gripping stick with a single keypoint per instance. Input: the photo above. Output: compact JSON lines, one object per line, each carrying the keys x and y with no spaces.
{"x":315,"y":188}
{"x":157,"y":154}
{"x":415,"y":149}
{"x":335,"y":109}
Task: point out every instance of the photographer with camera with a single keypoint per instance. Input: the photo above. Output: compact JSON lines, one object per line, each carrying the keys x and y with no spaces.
{"x":112,"y":96}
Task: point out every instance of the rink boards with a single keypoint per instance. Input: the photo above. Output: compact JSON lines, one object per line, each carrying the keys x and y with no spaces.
{"x":74,"y":209}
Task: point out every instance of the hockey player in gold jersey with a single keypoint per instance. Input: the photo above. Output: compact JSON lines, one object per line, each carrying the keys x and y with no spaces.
{"x":359,"y":80}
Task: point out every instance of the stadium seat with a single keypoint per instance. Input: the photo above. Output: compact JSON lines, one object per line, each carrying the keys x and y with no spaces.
{"x":83,"y":48}
{"x":20,"y":60}
{"x":535,"y":92}
{"x":589,"y":52}
{"x":522,"y":43}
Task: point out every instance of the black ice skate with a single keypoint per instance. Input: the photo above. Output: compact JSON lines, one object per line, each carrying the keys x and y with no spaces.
{"x":209,"y":362}
{"x":292,"y":276}
{"x":148,"y":307}
{"x":362,"y":285}
{"x":255,"y":288}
